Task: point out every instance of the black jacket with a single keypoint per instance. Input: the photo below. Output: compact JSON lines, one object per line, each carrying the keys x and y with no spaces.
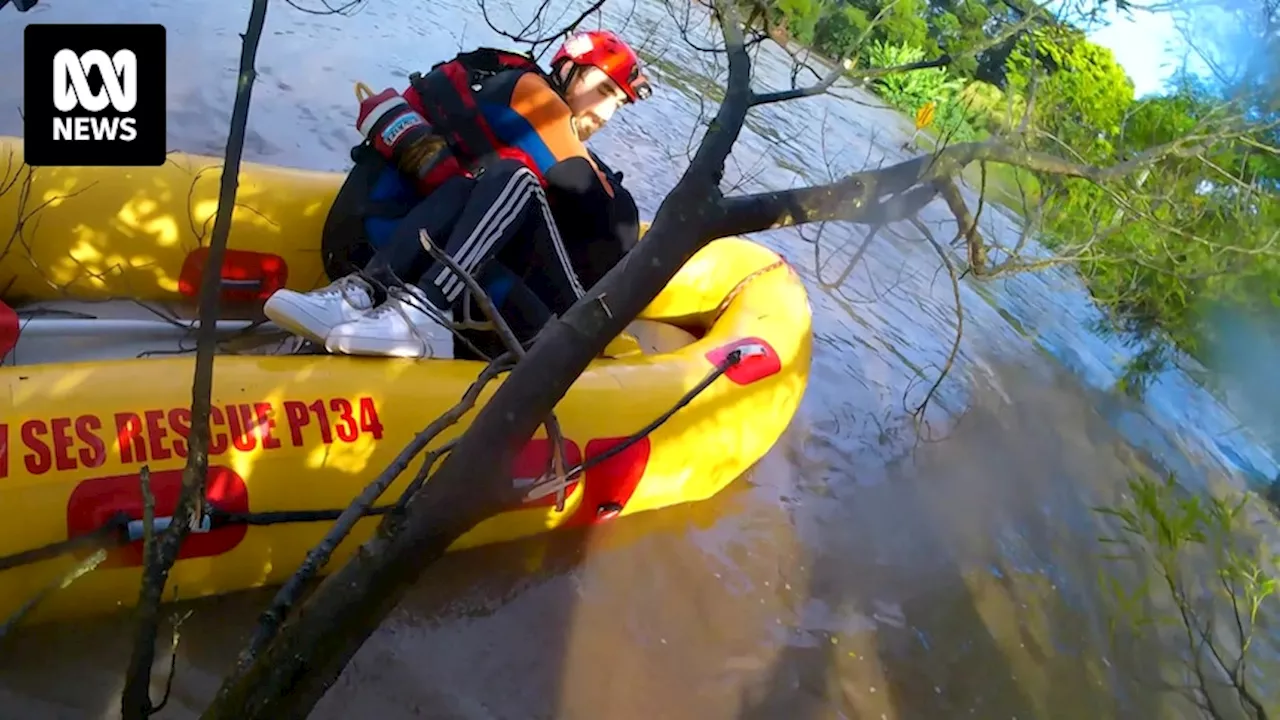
{"x":597,"y":229}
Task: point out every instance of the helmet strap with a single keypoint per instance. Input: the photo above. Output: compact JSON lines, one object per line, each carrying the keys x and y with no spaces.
{"x":560,"y":83}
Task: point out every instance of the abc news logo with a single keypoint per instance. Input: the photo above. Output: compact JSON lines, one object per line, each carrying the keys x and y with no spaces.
{"x":71,"y":91}
{"x":94,"y":95}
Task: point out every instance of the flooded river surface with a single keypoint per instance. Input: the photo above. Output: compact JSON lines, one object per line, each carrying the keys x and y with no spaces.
{"x":862,"y":570}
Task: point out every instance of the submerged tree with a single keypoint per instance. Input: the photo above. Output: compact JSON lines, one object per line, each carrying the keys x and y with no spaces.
{"x":1103,"y":184}
{"x":1187,"y":570}
{"x":308,"y":652}
{"x":1184,"y":237}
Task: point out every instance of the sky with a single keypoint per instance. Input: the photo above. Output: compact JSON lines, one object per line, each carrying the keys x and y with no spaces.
{"x":1145,"y":46}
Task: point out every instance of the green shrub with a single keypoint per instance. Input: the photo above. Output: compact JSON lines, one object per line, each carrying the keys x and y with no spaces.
{"x":908,"y":91}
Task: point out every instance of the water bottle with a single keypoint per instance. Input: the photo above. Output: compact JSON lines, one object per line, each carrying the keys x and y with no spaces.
{"x":398,"y":132}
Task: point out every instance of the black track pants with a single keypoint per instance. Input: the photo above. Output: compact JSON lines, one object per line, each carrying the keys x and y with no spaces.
{"x":502,"y":213}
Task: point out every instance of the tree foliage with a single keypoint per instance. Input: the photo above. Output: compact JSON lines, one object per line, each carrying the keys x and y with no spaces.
{"x":1184,"y":568}
{"x":1082,"y":94}
{"x":1163,"y":251}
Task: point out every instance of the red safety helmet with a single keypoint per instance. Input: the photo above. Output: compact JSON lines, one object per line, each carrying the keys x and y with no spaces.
{"x":605,"y":50}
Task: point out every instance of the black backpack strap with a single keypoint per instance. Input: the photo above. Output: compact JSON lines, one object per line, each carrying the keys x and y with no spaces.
{"x":448,"y":95}
{"x":485,"y":62}
{"x":615,"y":175}
{"x":451,"y":108}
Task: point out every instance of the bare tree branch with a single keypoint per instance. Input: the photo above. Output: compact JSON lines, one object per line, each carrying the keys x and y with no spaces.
{"x":289,"y":594}
{"x":547,"y":39}
{"x":899,"y":191}
{"x":81,"y":569}
{"x":136,"y":698}
{"x":471,"y":483}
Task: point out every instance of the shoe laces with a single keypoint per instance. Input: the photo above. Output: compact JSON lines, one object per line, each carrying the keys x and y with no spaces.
{"x":399,"y":301}
{"x":347,"y":288}
{"x":391,"y":306}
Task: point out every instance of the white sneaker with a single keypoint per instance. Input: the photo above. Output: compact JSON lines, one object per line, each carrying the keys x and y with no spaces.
{"x":400,"y":327}
{"x":313,"y":314}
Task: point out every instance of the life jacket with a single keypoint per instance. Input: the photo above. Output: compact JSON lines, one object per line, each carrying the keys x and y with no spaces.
{"x":375,"y":195}
{"x":446,"y":97}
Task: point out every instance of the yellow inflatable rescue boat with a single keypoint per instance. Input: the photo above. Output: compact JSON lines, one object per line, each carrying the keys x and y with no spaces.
{"x":97,"y":276}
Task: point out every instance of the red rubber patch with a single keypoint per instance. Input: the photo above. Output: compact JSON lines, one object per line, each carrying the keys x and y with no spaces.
{"x":535,"y":458}
{"x":612,"y":482}
{"x":247,"y":276}
{"x":609,"y":484}
{"x":759,"y":362}
{"x":95,"y":501}
{"x":9,"y":329}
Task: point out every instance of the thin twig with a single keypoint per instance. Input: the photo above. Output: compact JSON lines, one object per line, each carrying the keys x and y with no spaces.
{"x":136,"y":698}
{"x":959,"y":310}
{"x":148,"y":520}
{"x":513,"y":345}
{"x":82,"y":568}
{"x":477,"y":292}
{"x":271,"y":619}
{"x":424,"y":471}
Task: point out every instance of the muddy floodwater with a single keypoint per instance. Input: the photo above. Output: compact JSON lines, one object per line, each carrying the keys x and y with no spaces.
{"x":861,"y":570}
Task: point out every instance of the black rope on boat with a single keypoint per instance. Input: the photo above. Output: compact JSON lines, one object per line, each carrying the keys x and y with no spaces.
{"x":120,"y":529}
{"x":112,"y":533}
{"x":733,"y":358}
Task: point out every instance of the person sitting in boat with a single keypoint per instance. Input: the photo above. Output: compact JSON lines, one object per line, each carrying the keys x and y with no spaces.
{"x":485,"y":154}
